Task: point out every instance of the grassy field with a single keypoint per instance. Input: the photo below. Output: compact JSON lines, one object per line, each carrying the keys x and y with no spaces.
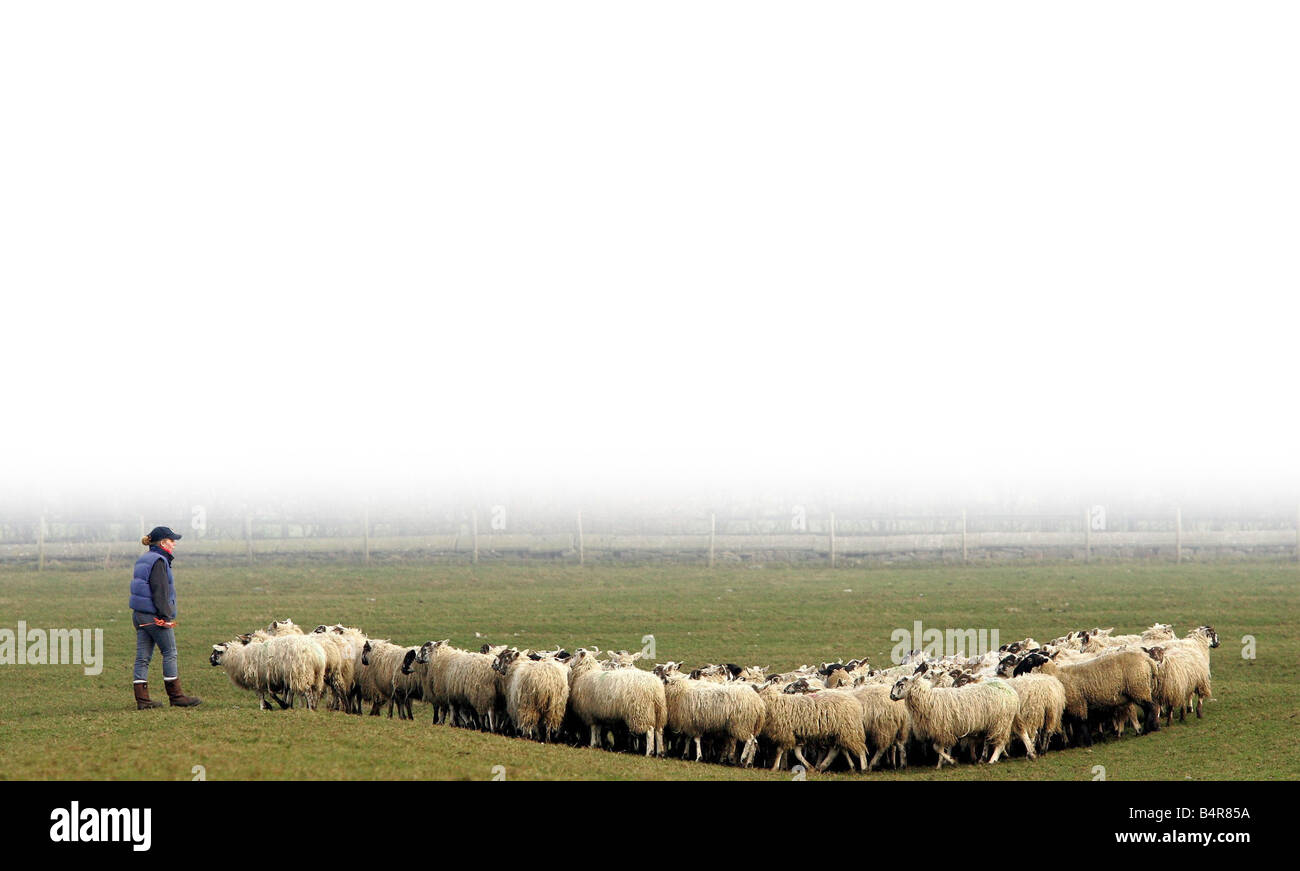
{"x":56,"y":722}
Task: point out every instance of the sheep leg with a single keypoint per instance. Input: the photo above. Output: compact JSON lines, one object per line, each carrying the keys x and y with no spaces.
{"x":595,"y":736}
{"x":1152,"y":717}
{"x":943,"y":756}
{"x":699,"y":753}
{"x":875,"y":760}
{"x":659,"y":743}
{"x":780,"y":754}
{"x":997,"y":751}
{"x":1029,"y":744}
{"x":798,"y":754}
{"x":375,"y":708}
{"x":650,"y":742}
{"x":831,"y":757}
{"x":747,"y":754}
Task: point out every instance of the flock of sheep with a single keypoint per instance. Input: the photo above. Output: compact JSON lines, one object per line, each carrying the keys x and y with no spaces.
{"x":924,"y":709}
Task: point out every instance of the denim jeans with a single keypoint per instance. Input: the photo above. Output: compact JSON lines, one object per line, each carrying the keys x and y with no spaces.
{"x":146,"y":636}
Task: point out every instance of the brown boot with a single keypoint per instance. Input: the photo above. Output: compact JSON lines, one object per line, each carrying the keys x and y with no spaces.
{"x":177,"y":696}
{"x":142,"y":700}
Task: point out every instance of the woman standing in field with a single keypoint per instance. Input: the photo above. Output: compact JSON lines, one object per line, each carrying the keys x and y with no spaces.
{"x":153,"y":610}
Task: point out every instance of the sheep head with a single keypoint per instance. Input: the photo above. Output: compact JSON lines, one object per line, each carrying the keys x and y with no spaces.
{"x":218,"y":651}
{"x":583,"y":659}
{"x":408,"y":661}
{"x":799,"y":687}
{"x":903,"y":687}
{"x":623,"y":659}
{"x":503,"y":660}
{"x":667,"y":669}
{"x":425,"y":653}
{"x":1207,"y":632}
{"x":1029,"y":663}
{"x":283,"y":627}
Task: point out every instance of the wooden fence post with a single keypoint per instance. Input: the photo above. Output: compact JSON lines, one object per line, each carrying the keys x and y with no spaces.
{"x":1087,"y":535}
{"x":248,"y":536}
{"x":713,"y":535}
{"x":365,"y":531}
{"x":1178,"y":534}
{"x":40,"y":545}
{"x":582,"y":556}
{"x":963,"y":536}
{"x":832,"y":539}
{"x":474,"y":521}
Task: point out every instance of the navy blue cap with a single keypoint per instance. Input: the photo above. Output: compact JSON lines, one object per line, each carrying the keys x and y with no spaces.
{"x":158,"y":533}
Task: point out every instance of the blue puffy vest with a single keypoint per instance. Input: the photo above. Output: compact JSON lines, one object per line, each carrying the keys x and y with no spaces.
{"x":141,"y":592}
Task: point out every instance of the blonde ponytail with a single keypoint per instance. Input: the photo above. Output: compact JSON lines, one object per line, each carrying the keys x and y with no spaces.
{"x":145,"y":540}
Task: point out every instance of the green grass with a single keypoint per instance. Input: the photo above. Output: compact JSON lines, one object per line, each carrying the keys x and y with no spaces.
{"x":55,"y":722}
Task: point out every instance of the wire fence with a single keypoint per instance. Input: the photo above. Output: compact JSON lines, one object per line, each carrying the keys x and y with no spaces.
{"x":792,"y":534}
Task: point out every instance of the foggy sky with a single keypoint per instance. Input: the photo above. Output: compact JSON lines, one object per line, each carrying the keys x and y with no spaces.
{"x":577,"y":247}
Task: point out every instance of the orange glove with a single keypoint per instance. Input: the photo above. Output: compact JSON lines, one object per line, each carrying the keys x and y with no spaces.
{"x":166,"y":624}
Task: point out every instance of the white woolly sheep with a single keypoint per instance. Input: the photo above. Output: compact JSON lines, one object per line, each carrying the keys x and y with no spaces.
{"x":1200,"y":641}
{"x":1042,"y":706}
{"x":1101,"y":684}
{"x":1181,"y":674}
{"x":821,"y":716}
{"x":536,"y":691}
{"x":942,"y":716}
{"x":240,"y":664}
{"x":351,"y":643}
{"x":383,"y":681}
{"x":886,"y":723}
{"x":626,"y":697}
{"x":289,"y":664}
{"x":699,"y":708}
